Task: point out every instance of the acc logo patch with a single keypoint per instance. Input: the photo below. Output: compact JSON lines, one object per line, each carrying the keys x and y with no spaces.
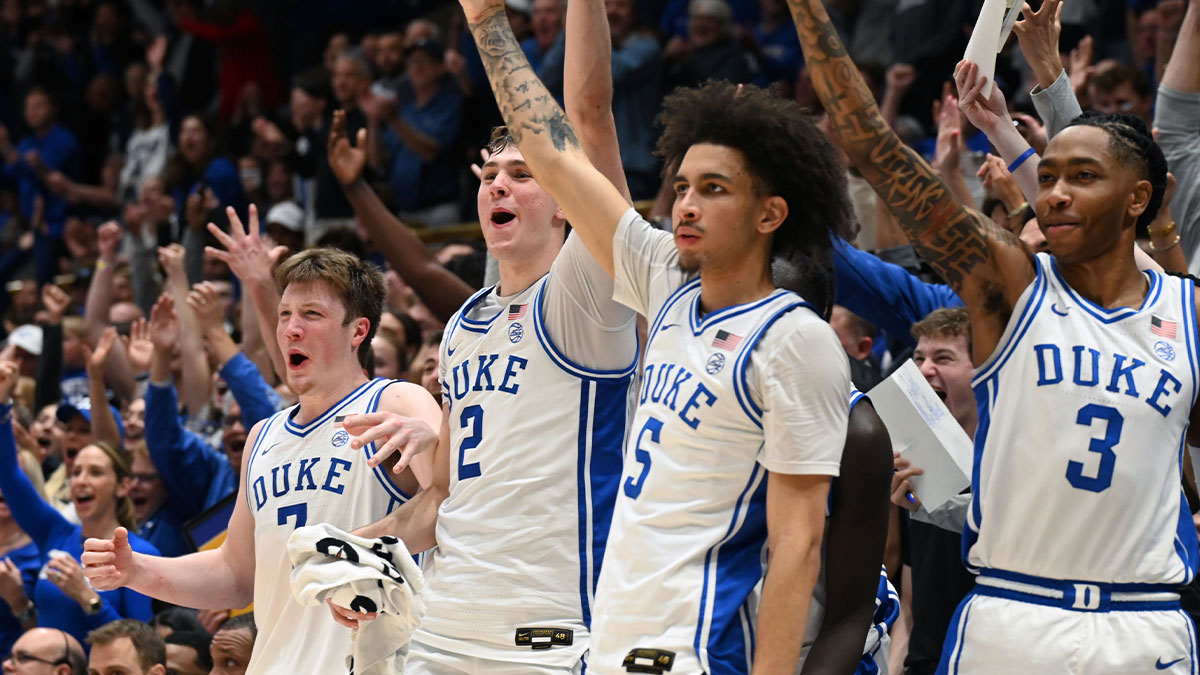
{"x":340,"y":438}
{"x":1164,"y":351}
{"x":715,"y":363}
{"x":515,"y":333}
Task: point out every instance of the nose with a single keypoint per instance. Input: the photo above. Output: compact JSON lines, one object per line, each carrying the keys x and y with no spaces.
{"x":928,"y":369}
{"x":500,"y":186}
{"x":686,"y":208}
{"x":1058,"y":196}
{"x":291,"y":328}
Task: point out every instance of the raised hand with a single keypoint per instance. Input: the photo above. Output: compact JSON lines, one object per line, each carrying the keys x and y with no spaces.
{"x":409,"y":435}
{"x":206,"y":304}
{"x":108,"y":238}
{"x":986,"y":114}
{"x":245,"y":251}
{"x":477,"y":169}
{"x":12,"y":588}
{"x":172,"y":259}
{"x":8,"y":379}
{"x":1037,"y":33}
{"x":902,"y":494}
{"x":901,"y":76}
{"x":1080,"y":64}
{"x":108,"y":563}
{"x":65,"y":572}
{"x":346,"y":160}
{"x":996,"y":178}
{"x":55,"y":302}
{"x":156,"y":53}
{"x":138,"y":346}
{"x":948,"y":152}
{"x":164,"y":324}
{"x":94,"y":358}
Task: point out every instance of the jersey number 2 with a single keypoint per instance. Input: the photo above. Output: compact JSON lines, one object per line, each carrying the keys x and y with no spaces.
{"x":633,"y":488}
{"x":471,"y":415}
{"x":1088,"y":415}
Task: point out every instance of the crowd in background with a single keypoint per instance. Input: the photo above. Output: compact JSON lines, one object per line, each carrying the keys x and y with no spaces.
{"x":139,"y":330}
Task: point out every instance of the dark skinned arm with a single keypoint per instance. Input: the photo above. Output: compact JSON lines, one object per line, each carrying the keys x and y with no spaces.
{"x":439,"y":288}
{"x":854,"y":544}
{"x":985,"y":265}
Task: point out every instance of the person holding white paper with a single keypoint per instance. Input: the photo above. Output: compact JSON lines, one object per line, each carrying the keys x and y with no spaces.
{"x":1087,"y":376}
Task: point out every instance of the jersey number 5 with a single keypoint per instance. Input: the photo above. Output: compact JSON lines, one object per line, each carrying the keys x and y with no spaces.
{"x":633,"y":488}
{"x":1088,"y":416}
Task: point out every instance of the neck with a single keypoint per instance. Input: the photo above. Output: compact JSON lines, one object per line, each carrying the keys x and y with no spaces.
{"x":11,"y":534}
{"x":316,"y":402}
{"x":1111,"y":280}
{"x":737,"y":283}
{"x":970,"y":424}
{"x":100,"y":527}
{"x":517,"y":275}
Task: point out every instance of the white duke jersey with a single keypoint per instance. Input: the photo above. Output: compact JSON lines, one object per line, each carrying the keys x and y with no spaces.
{"x":724,"y":398}
{"x":302,"y":475}
{"x":1078,"y":454}
{"x":534,"y":468}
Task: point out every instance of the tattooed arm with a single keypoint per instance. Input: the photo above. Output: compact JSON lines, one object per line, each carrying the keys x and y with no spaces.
{"x":985,"y":264}
{"x":547,"y":140}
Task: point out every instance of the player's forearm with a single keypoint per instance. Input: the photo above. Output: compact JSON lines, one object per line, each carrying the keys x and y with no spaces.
{"x":787,"y":591}
{"x":1182,"y":74}
{"x":439,"y":288}
{"x":413,"y":523}
{"x":201,"y":580}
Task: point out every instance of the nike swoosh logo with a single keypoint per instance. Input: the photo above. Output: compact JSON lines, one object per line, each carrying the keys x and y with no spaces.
{"x":666,"y":326}
{"x":1054,"y":308}
{"x":450,"y":350}
{"x":1163,"y":666}
{"x":270,"y":448}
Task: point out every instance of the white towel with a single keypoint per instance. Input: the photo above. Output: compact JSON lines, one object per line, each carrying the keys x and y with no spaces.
{"x":364,"y":575}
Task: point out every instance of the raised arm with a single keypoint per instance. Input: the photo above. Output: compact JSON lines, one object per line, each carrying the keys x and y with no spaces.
{"x":195,"y":380}
{"x":439,"y":288}
{"x":588,"y":88}
{"x":545,"y":137}
{"x":104,"y":423}
{"x":985,"y":265}
{"x":1182,"y":73}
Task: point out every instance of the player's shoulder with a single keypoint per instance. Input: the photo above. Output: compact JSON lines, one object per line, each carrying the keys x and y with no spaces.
{"x":799,"y":333}
{"x":403,"y":397}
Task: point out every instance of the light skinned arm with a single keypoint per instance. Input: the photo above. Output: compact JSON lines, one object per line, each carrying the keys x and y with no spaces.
{"x":248,"y":257}
{"x":216,"y":579}
{"x":549,"y":143}
{"x":253,"y":344}
{"x":1170,"y":20}
{"x":948,"y":152}
{"x":795,"y":524}
{"x":104,"y":424}
{"x":195,"y":380}
{"x":99,"y":300}
{"x":440,"y":289}
{"x":991,"y":116}
{"x":206,"y":307}
{"x":985,"y":264}
{"x":1182,"y":73}
{"x":588,"y":88}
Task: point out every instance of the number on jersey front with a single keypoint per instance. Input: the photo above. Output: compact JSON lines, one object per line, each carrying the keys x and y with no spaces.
{"x":633,"y":487}
{"x":471,"y":416}
{"x":1090,"y":415}
{"x":297,"y":511}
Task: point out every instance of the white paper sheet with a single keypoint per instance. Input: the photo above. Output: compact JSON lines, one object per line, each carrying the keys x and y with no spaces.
{"x":925,"y":433}
{"x":984,"y":43}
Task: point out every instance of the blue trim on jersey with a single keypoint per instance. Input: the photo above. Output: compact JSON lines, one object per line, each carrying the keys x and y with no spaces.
{"x":1117,"y":313}
{"x":470,"y":324}
{"x":952,"y":647}
{"x":855,"y":397}
{"x":381,"y":472}
{"x":662,"y":312}
{"x":741,"y":384}
{"x":586,"y":587}
{"x":1005,"y":350}
{"x":610,"y":411}
{"x":1192,"y":643}
{"x":1067,"y":586}
{"x":262,"y":434}
{"x":985,"y":398}
{"x":561,"y":360}
{"x":738,"y":569}
{"x":887,"y":601}
{"x":699,"y":325}
{"x":1106,"y":607}
{"x":306,"y":429}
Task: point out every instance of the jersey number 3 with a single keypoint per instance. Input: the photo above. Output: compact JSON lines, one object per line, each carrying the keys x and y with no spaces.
{"x":633,"y":488}
{"x":1088,"y":416}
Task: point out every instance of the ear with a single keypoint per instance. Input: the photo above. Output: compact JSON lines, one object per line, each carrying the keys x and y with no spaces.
{"x":1139,"y":200}
{"x":361,"y":326}
{"x":560,"y":218}
{"x":863,"y":346}
{"x":157,"y":669}
{"x":772,"y":214}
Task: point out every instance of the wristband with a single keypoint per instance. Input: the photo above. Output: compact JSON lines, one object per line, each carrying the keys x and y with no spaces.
{"x":1160,"y":249}
{"x":1020,"y":160}
{"x":1018,"y":211}
{"x":101,"y":265}
{"x":1164,"y":232}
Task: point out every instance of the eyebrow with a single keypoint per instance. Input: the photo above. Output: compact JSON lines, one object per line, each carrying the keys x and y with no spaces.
{"x":1073,"y":161}
{"x":510,"y":163}
{"x":704,"y":176}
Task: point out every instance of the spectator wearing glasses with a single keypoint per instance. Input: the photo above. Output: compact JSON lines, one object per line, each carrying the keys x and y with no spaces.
{"x":46,"y":650}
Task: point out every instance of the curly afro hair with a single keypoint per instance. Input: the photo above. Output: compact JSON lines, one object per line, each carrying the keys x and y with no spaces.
{"x":1131,"y":143}
{"x":784,"y":151}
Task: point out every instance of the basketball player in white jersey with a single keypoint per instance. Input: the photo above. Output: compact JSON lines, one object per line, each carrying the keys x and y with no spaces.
{"x":301,"y":468}
{"x":1086,"y":378}
{"x":742,"y":410}
{"x":536,"y":376}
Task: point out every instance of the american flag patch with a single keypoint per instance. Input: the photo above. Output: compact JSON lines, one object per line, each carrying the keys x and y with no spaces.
{"x":1162,"y":327}
{"x":516,"y":311}
{"x":726,"y":340}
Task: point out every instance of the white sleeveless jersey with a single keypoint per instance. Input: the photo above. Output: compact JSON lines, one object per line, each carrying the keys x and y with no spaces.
{"x":534,"y":468}
{"x":1078,"y":454}
{"x":689,"y":532}
{"x":303,"y":475}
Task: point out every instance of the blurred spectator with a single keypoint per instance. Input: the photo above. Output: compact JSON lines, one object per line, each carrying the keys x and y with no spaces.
{"x":285,"y":226}
{"x":198,"y":168}
{"x":48,"y":147}
{"x":232,"y":644}
{"x":176,"y":620}
{"x":413,"y":137}
{"x":189,"y":653}
{"x":709,"y":52}
{"x":547,"y":24}
{"x":46,"y":650}
{"x":128,"y":647}
{"x":777,"y":46}
{"x":159,"y":520}
{"x":637,"y":71}
{"x":389,"y":63}
{"x":1121,"y":89}
{"x":19,"y":565}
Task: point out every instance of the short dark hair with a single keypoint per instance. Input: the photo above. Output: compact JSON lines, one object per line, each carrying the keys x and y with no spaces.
{"x":150,"y":648}
{"x":199,"y":640}
{"x":357,"y":282}
{"x":1131,"y":143}
{"x":811,"y":277}
{"x":177,"y":619}
{"x":785,"y":153}
{"x":1109,"y":79}
{"x":239,"y":622}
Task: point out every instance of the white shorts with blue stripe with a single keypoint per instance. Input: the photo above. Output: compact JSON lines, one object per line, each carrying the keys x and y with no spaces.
{"x":1017,"y":624}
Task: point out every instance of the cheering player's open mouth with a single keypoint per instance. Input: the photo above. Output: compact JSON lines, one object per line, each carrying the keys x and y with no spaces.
{"x":501,"y":217}
{"x":296,"y":359}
